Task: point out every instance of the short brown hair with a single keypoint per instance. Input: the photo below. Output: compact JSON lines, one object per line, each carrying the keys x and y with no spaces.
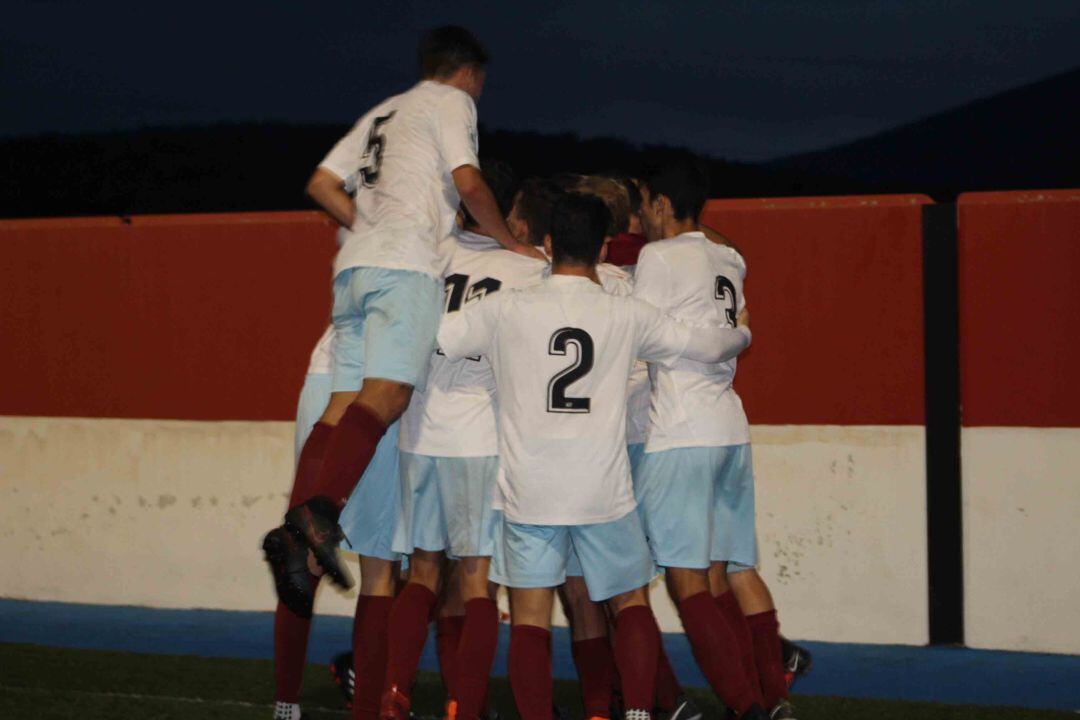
{"x":614,"y":195}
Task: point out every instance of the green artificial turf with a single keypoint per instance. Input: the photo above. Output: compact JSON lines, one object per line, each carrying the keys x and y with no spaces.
{"x":39,"y":683}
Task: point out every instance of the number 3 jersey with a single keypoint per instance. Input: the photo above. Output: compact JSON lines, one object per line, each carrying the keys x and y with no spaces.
{"x":561,"y":352}
{"x":455,"y":416}
{"x":402,"y":154}
{"x":701,"y":283}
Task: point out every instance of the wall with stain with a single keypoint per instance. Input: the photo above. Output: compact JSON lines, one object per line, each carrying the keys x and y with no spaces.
{"x":170,"y":514}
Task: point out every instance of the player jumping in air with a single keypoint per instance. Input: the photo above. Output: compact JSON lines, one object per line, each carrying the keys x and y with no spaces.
{"x":415,"y":157}
{"x":562,"y":352}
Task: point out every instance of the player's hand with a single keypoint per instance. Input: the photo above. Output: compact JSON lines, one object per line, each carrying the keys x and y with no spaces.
{"x":743,"y":318}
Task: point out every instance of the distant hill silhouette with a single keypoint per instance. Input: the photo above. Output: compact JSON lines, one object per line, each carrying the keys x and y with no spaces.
{"x":1025,"y":138}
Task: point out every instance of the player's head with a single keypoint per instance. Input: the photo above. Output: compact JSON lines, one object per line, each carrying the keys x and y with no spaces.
{"x":673,"y":195}
{"x":453,"y":55}
{"x":579,"y":226}
{"x":530,"y":218}
{"x":633,"y":194}
{"x":504,"y":185}
{"x":613,"y":194}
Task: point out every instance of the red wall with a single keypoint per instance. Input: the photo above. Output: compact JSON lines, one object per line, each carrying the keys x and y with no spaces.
{"x":834,"y":287}
{"x":213,"y":316}
{"x":1019,"y":255}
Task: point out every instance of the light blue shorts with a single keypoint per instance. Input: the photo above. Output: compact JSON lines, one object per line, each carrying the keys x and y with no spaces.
{"x":614,"y":555}
{"x":385,"y":323}
{"x":369,"y":516}
{"x":446,"y":505}
{"x":698,"y":506}
{"x":635,"y":451}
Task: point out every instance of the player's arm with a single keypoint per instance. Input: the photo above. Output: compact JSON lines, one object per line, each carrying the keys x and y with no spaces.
{"x":480,"y":201}
{"x":664,"y":339}
{"x":471,"y":330}
{"x":328,"y":191}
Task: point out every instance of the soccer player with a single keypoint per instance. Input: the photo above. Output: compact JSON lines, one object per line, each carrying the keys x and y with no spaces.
{"x":449,"y":460}
{"x":415,"y":156}
{"x":367,"y":521}
{"x":562,"y":352}
{"x":695,"y":482}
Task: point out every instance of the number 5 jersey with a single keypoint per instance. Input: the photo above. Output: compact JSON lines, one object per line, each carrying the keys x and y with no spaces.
{"x":402,"y":154}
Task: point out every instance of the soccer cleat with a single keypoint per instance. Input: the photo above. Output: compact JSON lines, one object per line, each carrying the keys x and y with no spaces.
{"x":316,"y":522}
{"x":797,"y":660}
{"x":341,"y":669}
{"x":451,"y":710}
{"x":394,"y":705}
{"x":782,"y":711}
{"x":685,"y":709}
{"x":287,"y":557}
{"x":638,"y":715}
{"x":754,"y":712}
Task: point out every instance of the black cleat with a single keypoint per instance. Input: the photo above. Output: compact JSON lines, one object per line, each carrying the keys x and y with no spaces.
{"x":755,"y":712}
{"x":341,"y":670}
{"x":315,"y":521}
{"x":685,"y":709}
{"x":797,"y":660}
{"x":287,"y":557}
{"x":782,"y":711}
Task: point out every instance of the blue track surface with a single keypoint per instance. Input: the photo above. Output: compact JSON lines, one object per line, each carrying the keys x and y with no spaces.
{"x":951,"y":675}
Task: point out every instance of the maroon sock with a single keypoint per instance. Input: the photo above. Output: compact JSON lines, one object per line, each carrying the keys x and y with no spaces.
{"x":370,"y":651}
{"x":716,"y":652}
{"x":637,"y":653}
{"x":290,"y":652}
{"x":309,"y":463}
{"x":408,"y":629}
{"x":447,"y":637}
{"x":668,"y":689}
{"x":729,"y":608}
{"x":348,"y":452}
{"x":530,"y":671}
{"x":595,"y":664}
{"x":476,"y":653}
{"x":765,"y":630}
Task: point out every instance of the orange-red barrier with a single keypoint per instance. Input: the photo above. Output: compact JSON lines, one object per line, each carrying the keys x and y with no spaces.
{"x":206,"y":317}
{"x":834,"y":287}
{"x":1019,"y":255}
{"x":213,"y":316}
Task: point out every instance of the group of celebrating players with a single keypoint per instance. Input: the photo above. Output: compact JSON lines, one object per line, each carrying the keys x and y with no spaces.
{"x":496,"y":405}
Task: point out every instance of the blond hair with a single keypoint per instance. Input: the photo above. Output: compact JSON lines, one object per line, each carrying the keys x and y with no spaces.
{"x":614,"y":195}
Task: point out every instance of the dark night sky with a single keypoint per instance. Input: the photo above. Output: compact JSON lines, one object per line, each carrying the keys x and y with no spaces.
{"x":747,"y":80}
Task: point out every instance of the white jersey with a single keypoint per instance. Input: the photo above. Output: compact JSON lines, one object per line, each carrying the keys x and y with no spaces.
{"x":402,"y":153}
{"x":619,"y":281}
{"x":701,"y":283}
{"x":561,"y":352}
{"x":455,"y":416}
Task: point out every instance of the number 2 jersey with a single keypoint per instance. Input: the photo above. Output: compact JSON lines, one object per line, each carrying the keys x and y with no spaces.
{"x":561,"y":352}
{"x":700,"y":282}
{"x":402,"y":154}
{"x":455,"y":416}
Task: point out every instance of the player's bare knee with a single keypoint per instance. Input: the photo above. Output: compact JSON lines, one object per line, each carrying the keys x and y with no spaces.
{"x":387,"y":399}
{"x":686,"y":582}
{"x":336,"y":407}
{"x":425,"y":568}
{"x":635,"y":598}
{"x":474,"y":581}
{"x":378,"y":577}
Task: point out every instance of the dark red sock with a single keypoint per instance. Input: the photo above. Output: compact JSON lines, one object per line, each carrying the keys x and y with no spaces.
{"x":637,"y":653}
{"x":595,"y":663}
{"x":290,"y":652}
{"x":476,"y":653}
{"x":729,"y":608}
{"x":348,"y":452}
{"x":668,"y":689}
{"x":447,"y":637}
{"x":765,"y":630}
{"x":370,"y":650}
{"x":309,"y":463}
{"x":408,"y":628}
{"x":530,"y":671}
{"x":716,"y":652}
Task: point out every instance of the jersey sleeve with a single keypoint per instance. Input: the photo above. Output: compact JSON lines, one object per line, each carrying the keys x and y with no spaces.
{"x":651,"y":278}
{"x":663,"y":339}
{"x":471,"y":330}
{"x":346,"y":157}
{"x":455,"y":120}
